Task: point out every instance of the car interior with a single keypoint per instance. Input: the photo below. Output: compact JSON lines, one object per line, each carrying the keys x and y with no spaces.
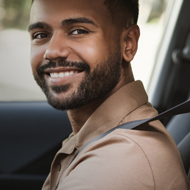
{"x":32,"y":132}
{"x":172,"y":84}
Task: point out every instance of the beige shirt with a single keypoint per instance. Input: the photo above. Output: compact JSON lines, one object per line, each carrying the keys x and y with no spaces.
{"x":146,"y":158}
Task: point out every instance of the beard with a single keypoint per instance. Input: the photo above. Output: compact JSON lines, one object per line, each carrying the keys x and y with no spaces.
{"x":94,"y":85}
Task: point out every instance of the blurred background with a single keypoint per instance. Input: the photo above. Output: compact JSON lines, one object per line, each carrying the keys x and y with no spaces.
{"x":16,"y":80}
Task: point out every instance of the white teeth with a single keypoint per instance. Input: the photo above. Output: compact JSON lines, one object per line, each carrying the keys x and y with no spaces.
{"x":67,"y":74}
{"x":62,"y":74}
{"x":54,"y":75}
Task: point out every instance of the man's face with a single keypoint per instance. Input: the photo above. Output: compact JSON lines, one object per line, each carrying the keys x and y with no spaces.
{"x":75,"y":51}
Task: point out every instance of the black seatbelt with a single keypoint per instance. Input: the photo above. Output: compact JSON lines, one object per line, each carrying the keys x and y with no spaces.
{"x":179,"y":109}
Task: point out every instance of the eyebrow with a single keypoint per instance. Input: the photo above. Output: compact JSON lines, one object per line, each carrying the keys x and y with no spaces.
{"x":39,"y":25}
{"x":71,"y":21}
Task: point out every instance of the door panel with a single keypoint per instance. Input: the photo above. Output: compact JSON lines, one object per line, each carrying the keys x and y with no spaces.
{"x":30,"y":135}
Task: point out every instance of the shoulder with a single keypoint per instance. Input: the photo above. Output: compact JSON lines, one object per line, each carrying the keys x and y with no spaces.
{"x":161,"y":154}
{"x":114,"y":162}
{"x":137,"y":158}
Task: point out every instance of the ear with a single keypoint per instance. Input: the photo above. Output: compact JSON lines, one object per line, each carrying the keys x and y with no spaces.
{"x":130,"y":37}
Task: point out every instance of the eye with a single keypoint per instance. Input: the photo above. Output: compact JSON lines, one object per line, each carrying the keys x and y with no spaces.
{"x":78,"y":32}
{"x":40,"y":35}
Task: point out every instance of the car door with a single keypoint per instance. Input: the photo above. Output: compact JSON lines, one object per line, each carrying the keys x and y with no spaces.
{"x":31,"y":134}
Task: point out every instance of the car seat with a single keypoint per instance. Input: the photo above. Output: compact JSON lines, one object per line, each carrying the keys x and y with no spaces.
{"x":179,"y":128}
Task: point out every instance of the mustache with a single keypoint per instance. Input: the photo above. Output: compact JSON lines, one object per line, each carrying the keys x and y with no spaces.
{"x":63,"y":63}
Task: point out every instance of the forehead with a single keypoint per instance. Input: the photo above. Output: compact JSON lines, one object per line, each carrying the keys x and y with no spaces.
{"x":57,"y":10}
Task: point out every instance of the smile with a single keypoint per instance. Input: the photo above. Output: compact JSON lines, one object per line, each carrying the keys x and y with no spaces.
{"x":63,"y":74}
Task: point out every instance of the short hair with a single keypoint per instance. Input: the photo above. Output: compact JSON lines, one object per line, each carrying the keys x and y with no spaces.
{"x":123,"y":10}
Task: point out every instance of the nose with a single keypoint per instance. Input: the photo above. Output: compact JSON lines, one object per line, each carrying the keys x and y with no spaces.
{"x":56,"y":48}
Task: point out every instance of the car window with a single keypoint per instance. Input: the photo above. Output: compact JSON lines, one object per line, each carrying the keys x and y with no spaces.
{"x":16,"y":80}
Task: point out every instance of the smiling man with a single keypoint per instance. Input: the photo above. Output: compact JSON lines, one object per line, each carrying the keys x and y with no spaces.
{"x":80,"y":56}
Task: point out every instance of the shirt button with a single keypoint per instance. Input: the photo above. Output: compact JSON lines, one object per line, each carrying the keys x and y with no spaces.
{"x":58,"y":167}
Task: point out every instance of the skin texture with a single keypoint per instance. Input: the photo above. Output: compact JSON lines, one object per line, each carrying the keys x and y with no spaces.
{"x":64,"y":44}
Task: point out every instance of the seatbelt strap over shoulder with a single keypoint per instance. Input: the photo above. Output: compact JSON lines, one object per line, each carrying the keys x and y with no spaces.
{"x":179,"y":109}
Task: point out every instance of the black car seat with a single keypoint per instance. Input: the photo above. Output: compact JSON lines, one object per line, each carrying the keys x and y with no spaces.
{"x":179,"y":128}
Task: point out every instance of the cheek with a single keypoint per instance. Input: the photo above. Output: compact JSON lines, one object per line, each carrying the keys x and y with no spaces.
{"x":93,"y":52}
{"x":36,"y":57}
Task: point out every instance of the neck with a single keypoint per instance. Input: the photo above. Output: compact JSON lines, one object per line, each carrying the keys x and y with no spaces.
{"x":80,"y":115}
